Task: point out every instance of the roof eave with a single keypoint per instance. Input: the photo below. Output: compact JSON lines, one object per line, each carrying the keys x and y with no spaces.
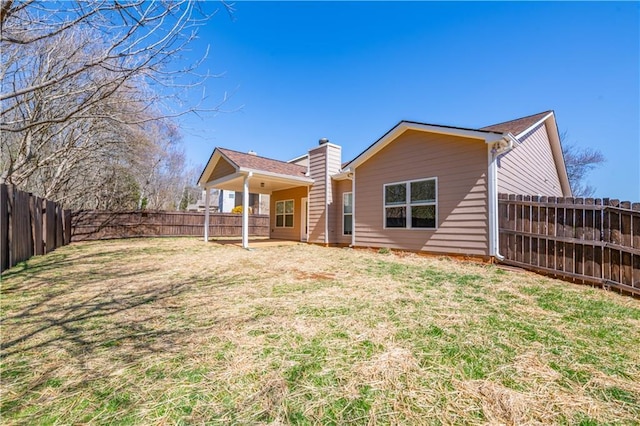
{"x":257,"y":172}
{"x":485,"y":135}
{"x":213,"y":160}
{"x":558,"y":156}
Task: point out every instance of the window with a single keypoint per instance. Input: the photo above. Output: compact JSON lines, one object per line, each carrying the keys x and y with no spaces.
{"x":284,"y":214}
{"x":347,"y":213}
{"x":410,"y":204}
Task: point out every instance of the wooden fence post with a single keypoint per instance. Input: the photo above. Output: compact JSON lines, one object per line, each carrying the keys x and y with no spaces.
{"x":67,"y":226}
{"x":543,"y":229}
{"x":59,"y":228}
{"x":4,"y":227}
{"x":635,"y":243}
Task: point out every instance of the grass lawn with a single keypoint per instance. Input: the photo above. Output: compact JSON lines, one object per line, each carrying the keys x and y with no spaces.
{"x":175,"y":331}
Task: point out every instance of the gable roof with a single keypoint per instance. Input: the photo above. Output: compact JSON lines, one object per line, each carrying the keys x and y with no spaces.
{"x":228,"y":169}
{"x":518,"y":125}
{"x":254,"y":162}
{"x":486,"y":136}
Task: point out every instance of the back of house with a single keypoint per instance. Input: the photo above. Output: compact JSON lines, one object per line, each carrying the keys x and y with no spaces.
{"x":420,"y":187}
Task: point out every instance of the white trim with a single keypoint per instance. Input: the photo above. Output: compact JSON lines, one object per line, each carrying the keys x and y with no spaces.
{"x":403,"y":126}
{"x":304,"y":218}
{"x":407,"y":205}
{"x":245,"y":211}
{"x":493,"y":152}
{"x":222,"y":180}
{"x":344,"y":214}
{"x":536,"y":124}
{"x":293,"y":160}
{"x":492,"y":189}
{"x":558,"y":156}
{"x":353,"y":209}
{"x":257,"y":172}
{"x":213,"y":160}
{"x":206,"y":214}
{"x":343,"y":175}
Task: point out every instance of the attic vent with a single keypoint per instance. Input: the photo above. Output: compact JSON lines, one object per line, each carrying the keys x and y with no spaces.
{"x":323,"y":141}
{"x":252,"y":152}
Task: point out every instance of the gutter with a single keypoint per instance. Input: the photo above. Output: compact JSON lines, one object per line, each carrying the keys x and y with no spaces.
{"x":496,"y":149}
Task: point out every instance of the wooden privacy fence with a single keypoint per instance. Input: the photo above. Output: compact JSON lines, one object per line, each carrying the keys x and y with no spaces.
{"x":29,"y":226}
{"x":584,"y":240}
{"x":100,"y":225}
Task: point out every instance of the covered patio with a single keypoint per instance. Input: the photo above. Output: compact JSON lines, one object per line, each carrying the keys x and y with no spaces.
{"x":247,"y":174}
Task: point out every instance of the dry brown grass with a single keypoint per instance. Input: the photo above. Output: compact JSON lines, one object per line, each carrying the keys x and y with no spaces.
{"x":156,"y":331}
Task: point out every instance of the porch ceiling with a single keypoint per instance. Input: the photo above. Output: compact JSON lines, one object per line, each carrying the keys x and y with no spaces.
{"x":258,"y":183}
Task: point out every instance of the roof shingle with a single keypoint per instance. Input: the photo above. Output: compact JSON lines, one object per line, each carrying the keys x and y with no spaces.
{"x":517,"y":126}
{"x":255,"y":162}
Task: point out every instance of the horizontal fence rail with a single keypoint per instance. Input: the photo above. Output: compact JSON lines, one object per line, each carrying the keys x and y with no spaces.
{"x":101,"y":225}
{"x":584,"y":240}
{"x":29,"y":226}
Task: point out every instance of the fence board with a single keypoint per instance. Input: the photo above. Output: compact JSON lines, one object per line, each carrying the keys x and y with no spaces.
{"x":584,"y":240}
{"x":96,"y":225}
{"x":4,"y":227}
{"x":35,"y":207}
{"x":23,"y":225}
{"x":49,"y":214}
{"x":67,"y":226}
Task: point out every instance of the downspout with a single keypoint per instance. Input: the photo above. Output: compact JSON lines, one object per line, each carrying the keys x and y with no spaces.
{"x":495,"y":150}
{"x":353,"y":208}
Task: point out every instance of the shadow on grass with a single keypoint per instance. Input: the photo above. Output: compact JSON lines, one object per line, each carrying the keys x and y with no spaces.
{"x":45,"y":314}
{"x":86,"y":311}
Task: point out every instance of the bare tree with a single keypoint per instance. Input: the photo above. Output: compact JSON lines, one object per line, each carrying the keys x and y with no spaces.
{"x":579,"y":161}
{"x":80,"y":82}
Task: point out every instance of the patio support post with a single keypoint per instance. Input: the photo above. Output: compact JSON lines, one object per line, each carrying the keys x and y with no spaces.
{"x":245,"y":211}
{"x":206,"y":214}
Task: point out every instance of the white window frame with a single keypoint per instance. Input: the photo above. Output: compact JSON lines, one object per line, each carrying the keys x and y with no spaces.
{"x":284,"y":214}
{"x":407,"y":204}
{"x":344,"y":195}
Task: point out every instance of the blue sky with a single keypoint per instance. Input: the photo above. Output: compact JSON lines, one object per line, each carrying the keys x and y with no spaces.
{"x":349,"y":71}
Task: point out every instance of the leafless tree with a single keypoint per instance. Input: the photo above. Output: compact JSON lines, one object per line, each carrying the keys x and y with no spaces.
{"x":80,"y":82}
{"x":579,"y":161}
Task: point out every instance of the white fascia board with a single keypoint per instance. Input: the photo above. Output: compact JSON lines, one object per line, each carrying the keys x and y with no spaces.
{"x":345,"y":174}
{"x":536,"y":124}
{"x":488,"y":137}
{"x":293,"y":160}
{"x":558,"y":156}
{"x":509,"y":137}
{"x":222,"y":180}
{"x":288,"y":178}
{"x":215,"y":157}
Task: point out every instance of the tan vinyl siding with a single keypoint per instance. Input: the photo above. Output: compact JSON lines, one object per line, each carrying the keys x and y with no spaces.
{"x":334,"y":202}
{"x":304,"y":161}
{"x":317,"y":205}
{"x":529,"y":168}
{"x":460,"y":166}
{"x":222,"y":169}
{"x":295,"y":194}
{"x":324,"y":161}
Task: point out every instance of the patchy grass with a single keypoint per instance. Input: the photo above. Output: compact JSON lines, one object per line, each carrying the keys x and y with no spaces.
{"x":173,"y":331}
